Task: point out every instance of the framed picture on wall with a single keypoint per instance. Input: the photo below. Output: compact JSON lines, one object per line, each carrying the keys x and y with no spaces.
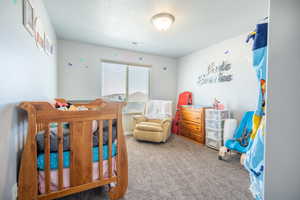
{"x":39,"y":34}
{"x":28,"y":17}
{"x":47,"y":44}
{"x":51,"y":49}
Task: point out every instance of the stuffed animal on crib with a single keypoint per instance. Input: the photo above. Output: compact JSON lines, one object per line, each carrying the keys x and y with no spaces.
{"x":68,"y":107}
{"x":61,"y":104}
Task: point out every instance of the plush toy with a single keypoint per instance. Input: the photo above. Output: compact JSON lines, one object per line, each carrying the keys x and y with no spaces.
{"x":66,"y":106}
{"x":60,"y":104}
{"x":218,"y":105}
{"x":72,"y":108}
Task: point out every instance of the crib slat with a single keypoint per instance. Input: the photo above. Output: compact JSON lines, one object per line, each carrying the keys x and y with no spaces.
{"x":100,"y":147}
{"x":81,"y":153}
{"x":40,"y":127}
{"x":119,"y":129}
{"x":60,"y":156}
{"x":47,"y":158}
{"x":110,"y":148}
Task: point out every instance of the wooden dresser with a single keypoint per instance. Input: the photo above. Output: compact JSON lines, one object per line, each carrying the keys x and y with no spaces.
{"x":191,"y":123}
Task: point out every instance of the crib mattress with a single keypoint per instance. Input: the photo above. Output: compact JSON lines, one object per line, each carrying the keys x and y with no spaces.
{"x":66,"y":157}
{"x":66,"y":176}
{"x":66,"y":136}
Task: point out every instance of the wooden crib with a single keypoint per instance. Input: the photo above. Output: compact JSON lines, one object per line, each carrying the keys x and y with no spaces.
{"x":40,"y":116}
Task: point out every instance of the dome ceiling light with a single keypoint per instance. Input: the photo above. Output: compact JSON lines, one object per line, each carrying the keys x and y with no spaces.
{"x":163,"y":21}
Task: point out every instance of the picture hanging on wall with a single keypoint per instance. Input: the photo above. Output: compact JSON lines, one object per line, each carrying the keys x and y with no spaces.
{"x":51,"y":49}
{"x":28,"y":17}
{"x":47,"y":45}
{"x":39,"y":34}
{"x":216,"y":73}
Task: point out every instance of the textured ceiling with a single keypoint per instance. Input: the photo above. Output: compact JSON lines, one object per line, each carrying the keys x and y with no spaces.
{"x":119,"y":23}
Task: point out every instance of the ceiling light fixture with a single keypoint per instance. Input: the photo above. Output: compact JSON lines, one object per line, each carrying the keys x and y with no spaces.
{"x":163,"y":21}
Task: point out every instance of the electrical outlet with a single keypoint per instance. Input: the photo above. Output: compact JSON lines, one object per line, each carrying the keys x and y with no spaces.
{"x":14,"y":192}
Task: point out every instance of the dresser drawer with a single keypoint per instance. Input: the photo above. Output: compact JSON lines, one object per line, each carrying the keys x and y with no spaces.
{"x":191,"y":132}
{"x":192,"y":122}
{"x":191,"y":126}
{"x":184,"y":131}
{"x":191,"y":116}
{"x":198,"y":138}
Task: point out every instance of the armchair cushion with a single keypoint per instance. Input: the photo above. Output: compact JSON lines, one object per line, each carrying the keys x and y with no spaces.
{"x":149,"y":126}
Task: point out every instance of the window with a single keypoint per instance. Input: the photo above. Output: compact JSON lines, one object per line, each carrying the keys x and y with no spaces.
{"x":138,"y":84}
{"x":121,"y":82}
{"x":114,"y":78}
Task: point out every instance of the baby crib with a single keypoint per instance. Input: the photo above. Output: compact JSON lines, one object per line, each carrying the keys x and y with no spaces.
{"x":40,"y":116}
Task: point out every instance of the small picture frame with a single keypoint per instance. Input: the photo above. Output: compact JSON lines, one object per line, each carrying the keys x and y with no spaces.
{"x":39,"y":40}
{"x":28,"y":17}
{"x":52,"y":49}
{"x":47,"y":45}
{"x":39,"y":34}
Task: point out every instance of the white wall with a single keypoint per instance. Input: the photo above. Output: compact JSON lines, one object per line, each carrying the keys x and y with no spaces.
{"x":26,"y":74}
{"x":240,"y":94}
{"x":282,"y":173}
{"x":79,"y":82}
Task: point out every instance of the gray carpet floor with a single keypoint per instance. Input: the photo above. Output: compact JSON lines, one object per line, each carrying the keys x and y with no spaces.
{"x":179,"y":170}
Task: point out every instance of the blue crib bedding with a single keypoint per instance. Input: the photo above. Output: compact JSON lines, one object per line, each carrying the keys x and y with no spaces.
{"x":66,"y":157}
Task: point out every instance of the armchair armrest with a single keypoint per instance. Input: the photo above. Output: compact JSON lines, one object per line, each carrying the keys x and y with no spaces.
{"x":165,"y":121}
{"x":138,"y":119}
{"x":166,"y":125}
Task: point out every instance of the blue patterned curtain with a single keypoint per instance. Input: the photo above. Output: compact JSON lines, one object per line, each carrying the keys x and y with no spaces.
{"x":254,"y":161}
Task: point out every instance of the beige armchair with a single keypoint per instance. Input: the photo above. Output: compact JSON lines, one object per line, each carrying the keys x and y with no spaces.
{"x":155,"y":124}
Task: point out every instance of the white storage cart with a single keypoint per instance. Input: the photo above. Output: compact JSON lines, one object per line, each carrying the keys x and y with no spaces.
{"x":214,"y":127}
